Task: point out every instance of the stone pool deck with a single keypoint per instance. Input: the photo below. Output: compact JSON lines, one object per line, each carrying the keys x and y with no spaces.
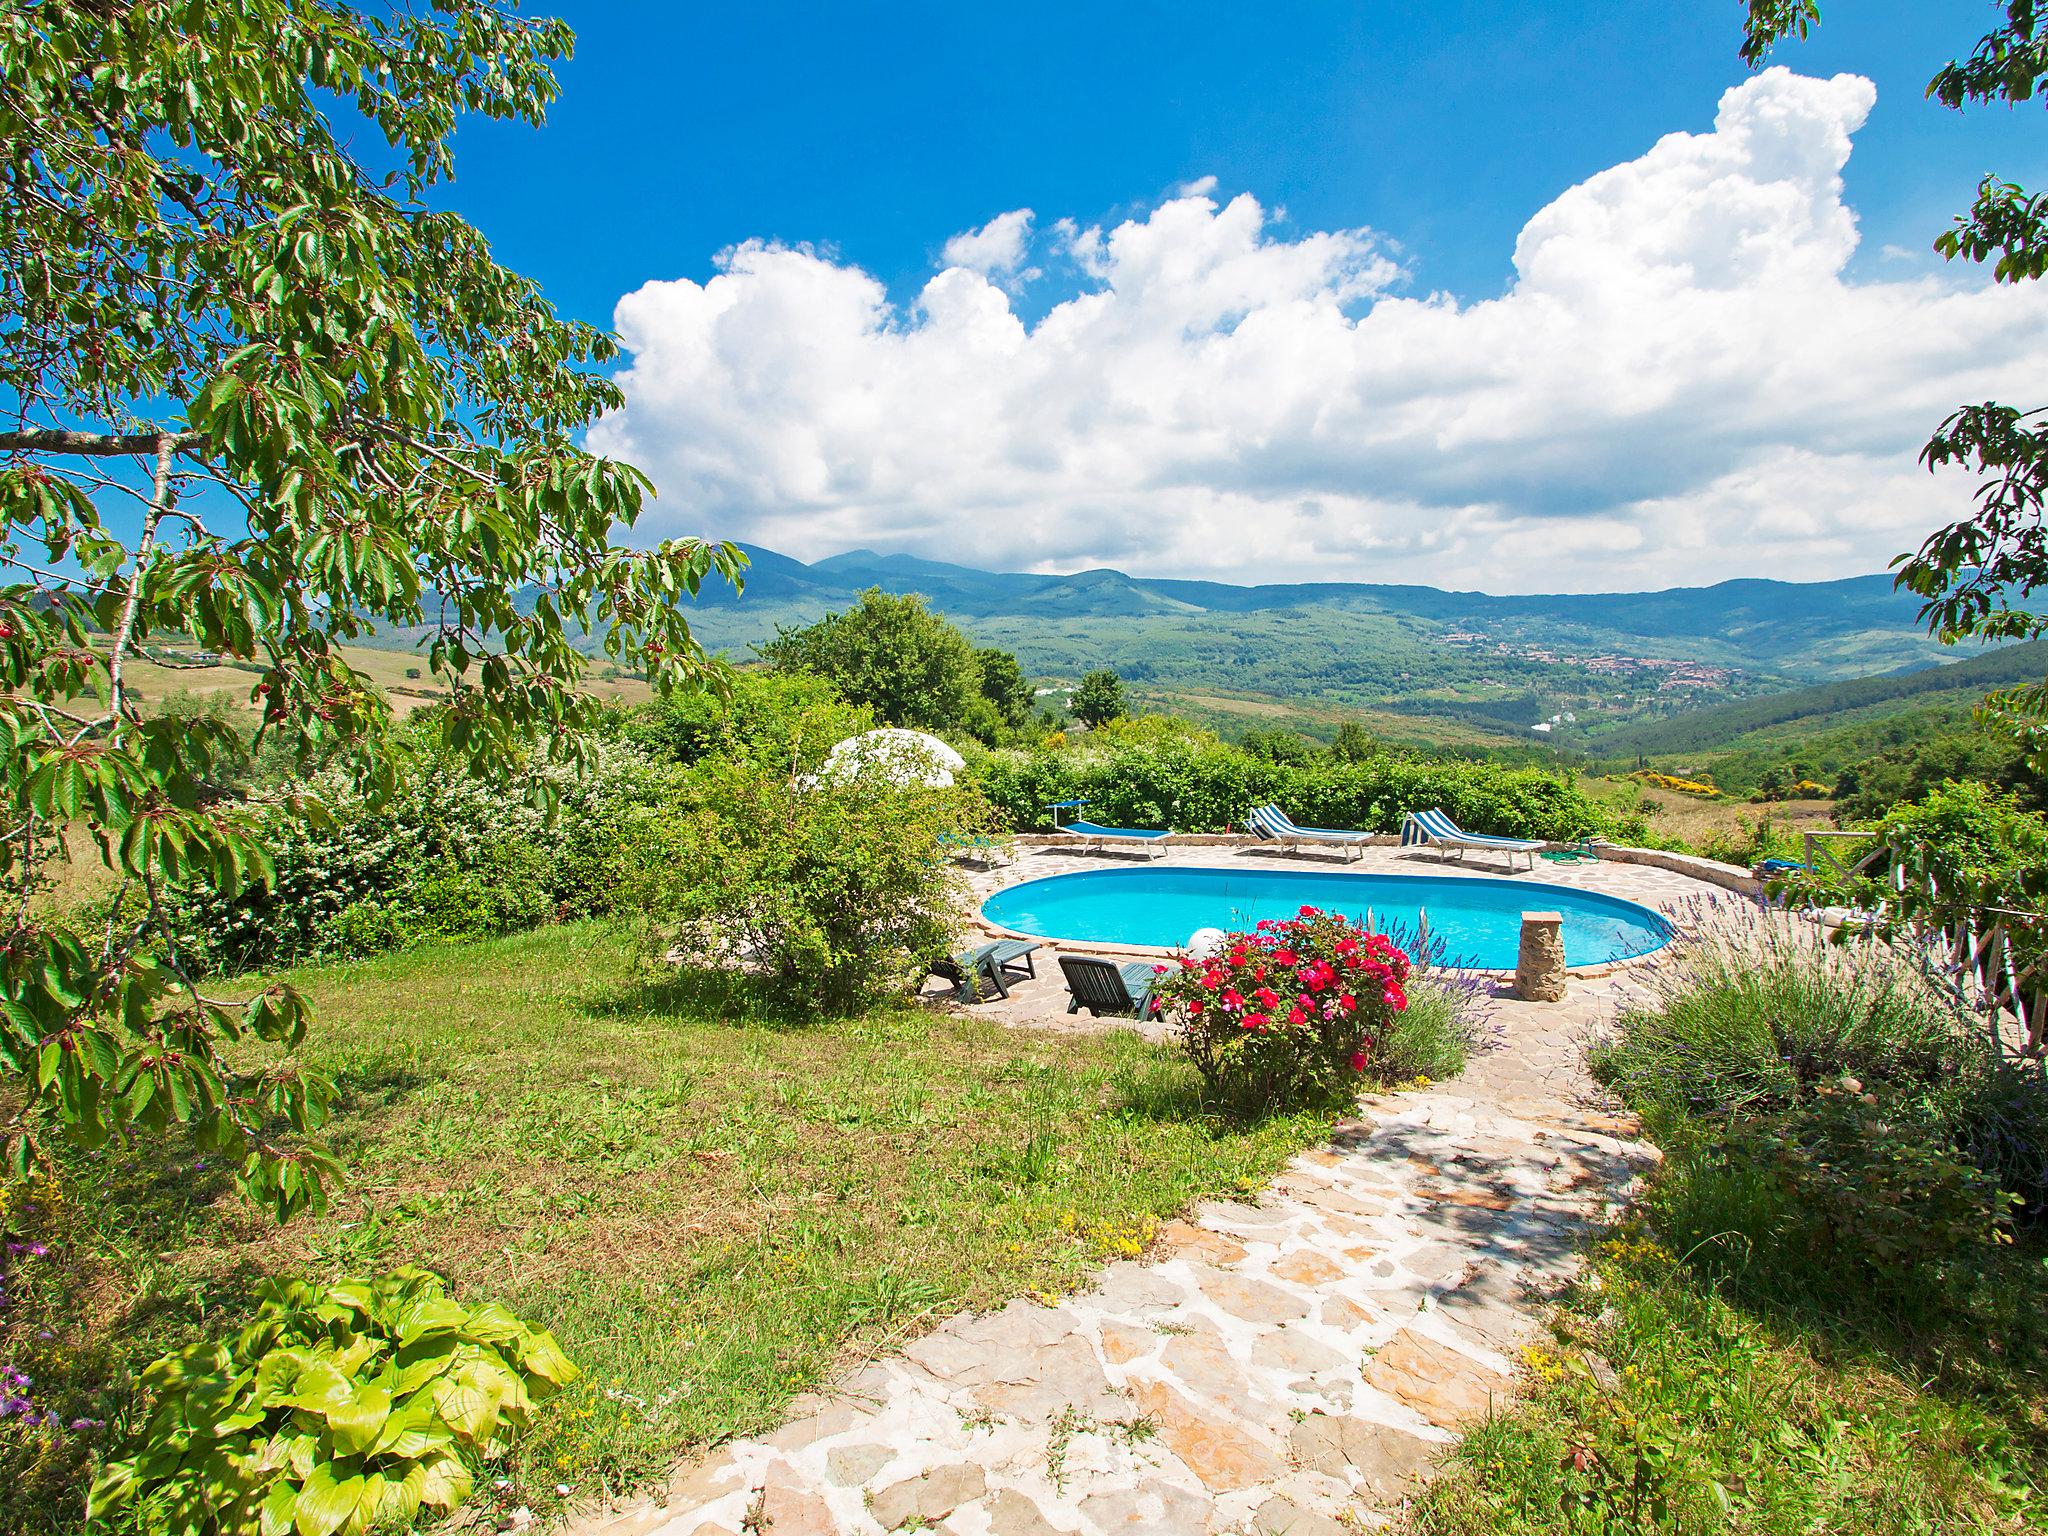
{"x":1290,"y":1364}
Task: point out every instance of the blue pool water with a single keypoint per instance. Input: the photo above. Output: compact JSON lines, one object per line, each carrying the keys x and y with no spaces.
{"x":1478,"y":920}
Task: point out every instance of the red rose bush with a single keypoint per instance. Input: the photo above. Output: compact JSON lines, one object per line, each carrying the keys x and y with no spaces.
{"x":1296,"y":1009}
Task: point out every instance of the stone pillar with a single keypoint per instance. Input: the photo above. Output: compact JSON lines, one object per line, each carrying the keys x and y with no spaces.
{"x":1539,"y":972}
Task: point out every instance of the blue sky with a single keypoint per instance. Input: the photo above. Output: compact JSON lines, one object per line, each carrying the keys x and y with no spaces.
{"x":1400,"y":151}
{"x":881,"y":129}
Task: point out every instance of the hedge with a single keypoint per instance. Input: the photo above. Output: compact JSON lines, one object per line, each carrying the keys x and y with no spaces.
{"x":1197,"y":787}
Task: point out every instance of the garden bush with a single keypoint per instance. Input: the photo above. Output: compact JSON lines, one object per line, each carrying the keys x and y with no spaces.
{"x":1428,"y":1040}
{"x":785,"y":721}
{"x":1752,"y":1013}
{"x":830,"y":892}
{"x":1305,"y":1010}
{"x":1842,"y":1132}
{"x":1849,"y":1193}
{"x":1192,"y":785}
{"x":347,"y":1407}
{"x":444,"y":858}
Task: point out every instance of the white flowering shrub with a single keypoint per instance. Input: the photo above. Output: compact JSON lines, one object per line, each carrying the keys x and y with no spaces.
{"x":446,"y":857}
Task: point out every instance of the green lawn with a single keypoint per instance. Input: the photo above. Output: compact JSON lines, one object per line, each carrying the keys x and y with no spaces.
{"x":710,"y":1215}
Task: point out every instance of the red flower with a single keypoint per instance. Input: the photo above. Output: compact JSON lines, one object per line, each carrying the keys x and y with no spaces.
{"x":1233,"y":999}
{"x":1393,"y":996}
{"x":1256,"y":1021}
{"x":1212,"y":979}
{"x":1347,"y":1002}
{"x":1286,"y":956}
{"x":1296,"y":1016}
{"x":1267,"y":997}
{"x":1358,"y":1061}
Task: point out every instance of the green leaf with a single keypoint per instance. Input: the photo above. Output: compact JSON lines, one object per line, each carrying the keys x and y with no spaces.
{"x":320,"y":1387}
{"x":466,"y":1408}
{"x":444,"y":1483}
{"x":357,"y":1421}
{"x":47,"y":1058}
{"x":279,"y":1505}
{"x":542,"y":1357}
{"x":113,"y":1490}
{"x":324,"y":1504}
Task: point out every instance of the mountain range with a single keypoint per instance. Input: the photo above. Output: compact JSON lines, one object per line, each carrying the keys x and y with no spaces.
{"x":1309,"y":653}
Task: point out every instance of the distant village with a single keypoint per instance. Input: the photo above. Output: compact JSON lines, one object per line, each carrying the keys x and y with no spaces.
{"x":1673,"y":675}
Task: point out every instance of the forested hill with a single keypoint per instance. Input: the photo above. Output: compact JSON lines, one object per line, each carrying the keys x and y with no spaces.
{"x":1558,"y":668}
{"x":1722,"y":726}
{"x":1756,"y":617}
{"x":1847,"y":626}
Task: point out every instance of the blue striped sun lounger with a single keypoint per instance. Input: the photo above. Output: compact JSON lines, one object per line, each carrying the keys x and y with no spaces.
{"x":1433,"y":829}
{"x":1274,"y":825}
{"x":1097,"y":838}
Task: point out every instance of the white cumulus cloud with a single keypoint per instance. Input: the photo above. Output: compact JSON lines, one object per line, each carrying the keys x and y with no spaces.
{"x":1680,"y":385}
{"x":997,"y":249}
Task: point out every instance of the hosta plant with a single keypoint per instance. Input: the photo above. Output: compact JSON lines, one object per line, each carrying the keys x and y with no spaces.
{"x":341,"y":1408}
{"x":1289,"y":1011}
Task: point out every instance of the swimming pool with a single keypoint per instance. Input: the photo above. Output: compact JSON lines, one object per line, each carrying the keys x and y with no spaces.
{"x":1478,"y":920}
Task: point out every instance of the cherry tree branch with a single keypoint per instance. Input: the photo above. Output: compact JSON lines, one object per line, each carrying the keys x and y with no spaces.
{"x":97,"y":445}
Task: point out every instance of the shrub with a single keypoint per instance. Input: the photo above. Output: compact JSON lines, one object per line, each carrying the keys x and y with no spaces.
{"x":785,"y":721}
{"x":444,"y":857}
{"x":832,"y":891}
{"x":1275,"y":744}
{"x":1292,"y":1012}
{"x":501,"y":887}
{"x":1862,"y":1190}
{"x":1855,"y":1207}
{"x":343,"y":1407}
{"x":1841,"y":1130}
{"x":1430,"y":1038}
{"x":1752,"y":1013}
{"x":1197,"y":785}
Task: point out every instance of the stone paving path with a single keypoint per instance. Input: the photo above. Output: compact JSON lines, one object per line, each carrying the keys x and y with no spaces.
{"x":1289,"y":1366}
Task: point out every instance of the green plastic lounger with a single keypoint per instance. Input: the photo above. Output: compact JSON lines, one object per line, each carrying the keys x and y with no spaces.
{"x":1109,"y":990}
{"x":1434,"y":829}
{"x":1149,"y":841}
{"x":983,"y":974}
{"x":1274,"y":825}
